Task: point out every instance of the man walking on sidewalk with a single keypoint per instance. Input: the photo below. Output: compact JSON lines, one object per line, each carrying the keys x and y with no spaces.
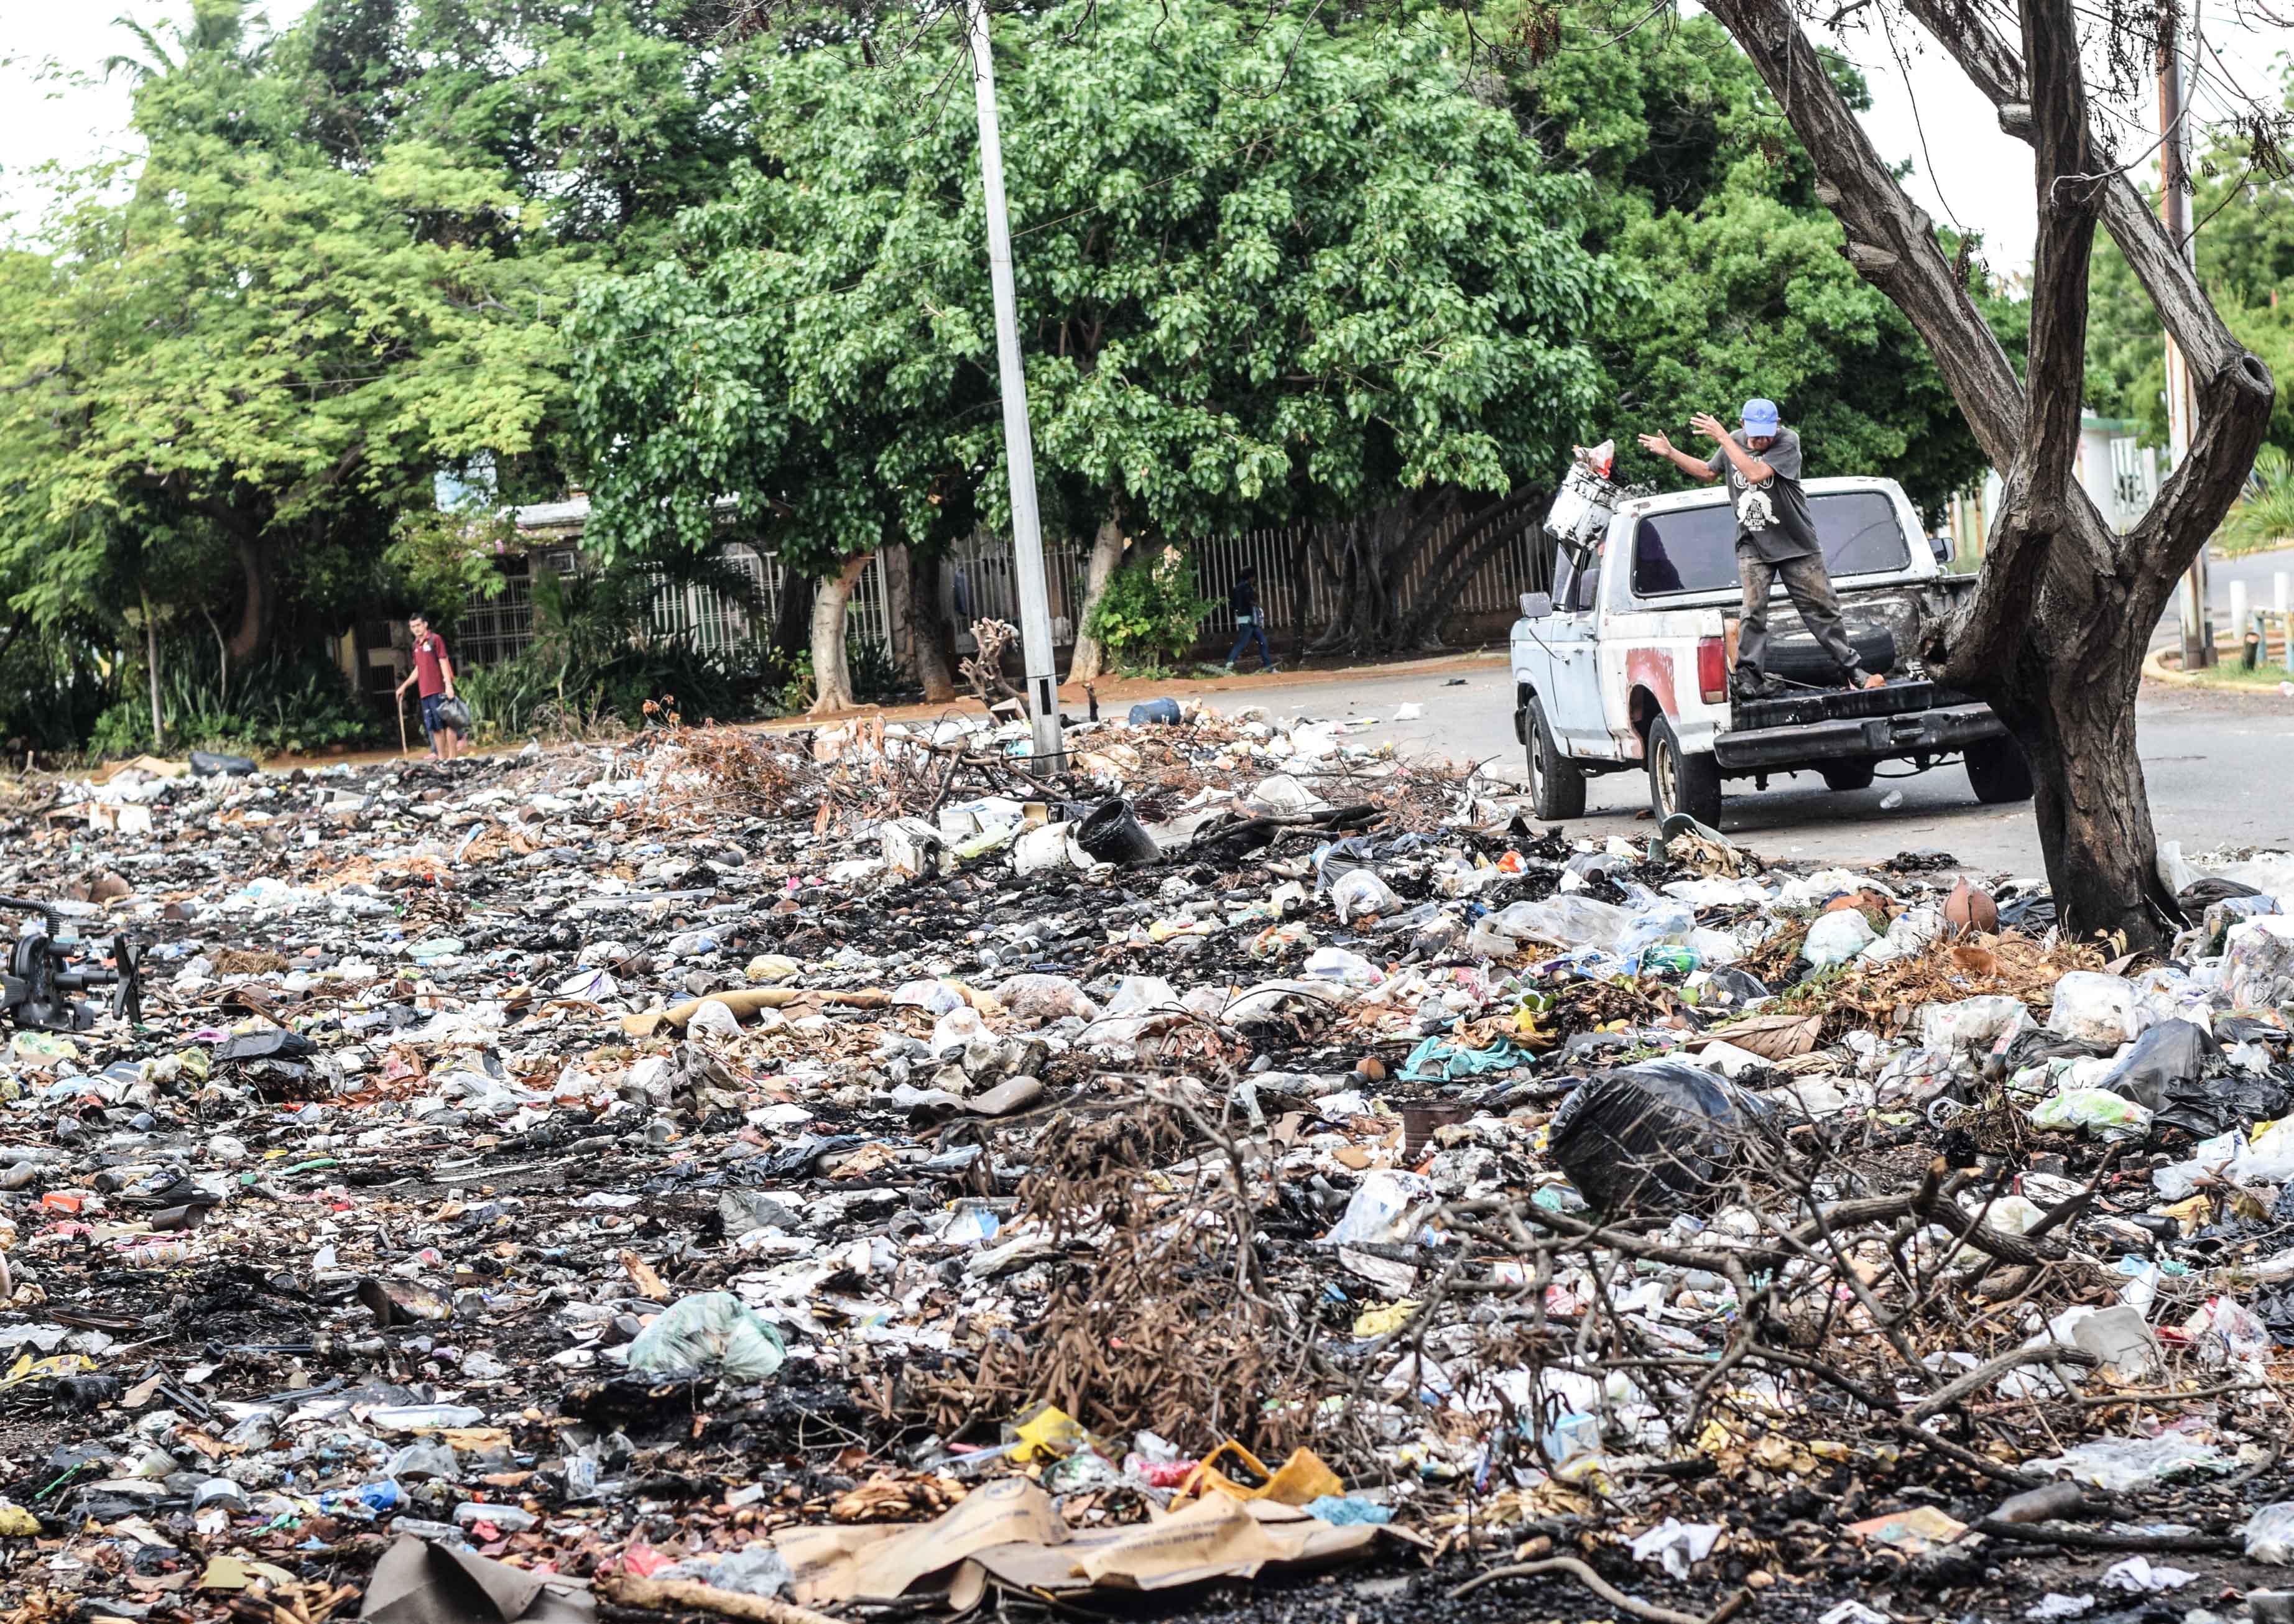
{"x":1775,"y":540}
{"x":1242,"y":597}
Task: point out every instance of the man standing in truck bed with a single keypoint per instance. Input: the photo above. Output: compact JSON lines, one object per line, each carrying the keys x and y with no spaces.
{"x":1775,"y":538}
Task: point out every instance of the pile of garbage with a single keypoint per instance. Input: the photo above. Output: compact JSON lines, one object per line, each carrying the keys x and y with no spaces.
{"x":853,"y":1171}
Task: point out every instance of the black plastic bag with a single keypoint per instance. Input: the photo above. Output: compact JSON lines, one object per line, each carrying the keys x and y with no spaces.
{"x":208,"y":764}
{"x":1650,"y":1138}
{"x":2164,"y":1060}
{"x":2033,"y":913}
{"x":2178,"y":1072}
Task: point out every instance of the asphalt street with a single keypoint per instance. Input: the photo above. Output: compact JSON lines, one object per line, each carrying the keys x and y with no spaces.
{"x":2220,"y":769}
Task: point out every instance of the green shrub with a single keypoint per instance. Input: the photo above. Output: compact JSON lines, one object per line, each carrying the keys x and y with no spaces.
{"x":1152,"y":611}
{"x":291,"y":704}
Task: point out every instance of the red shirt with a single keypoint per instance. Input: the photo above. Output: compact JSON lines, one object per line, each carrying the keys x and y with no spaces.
{"x":430,"y":655}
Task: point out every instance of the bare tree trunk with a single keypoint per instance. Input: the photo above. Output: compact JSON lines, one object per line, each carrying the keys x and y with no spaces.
{"x":151,"y":672}
{"x":792,"y":619}
{"x":831,"y":677}
{"x":912,"y":588}
{"x":2054,"y":635}
{"x":253,"y":636}
{"x":1088,"y":660}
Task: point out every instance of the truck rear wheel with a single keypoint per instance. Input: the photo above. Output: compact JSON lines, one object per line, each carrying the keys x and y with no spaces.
{"x":1846,"y":775}
{"x":1557,"y":789}
{"x":1998,"y":772}
{"x":1680,"y":780}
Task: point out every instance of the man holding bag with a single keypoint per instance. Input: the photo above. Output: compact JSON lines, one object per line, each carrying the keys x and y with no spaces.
{"x":434,"y":672}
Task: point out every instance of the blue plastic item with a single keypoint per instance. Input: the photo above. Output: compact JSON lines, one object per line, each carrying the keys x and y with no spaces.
{"x":1164,"y":710}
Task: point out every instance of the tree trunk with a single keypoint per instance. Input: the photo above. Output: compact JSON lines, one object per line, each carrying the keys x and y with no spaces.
{"x":1088,"y":660}
{"x":253,"y":637}
{"x":931,"y":636}
{"x":792,"y":619}
{"x":151,"y":672}
{"x":832,"y":679}
{"x":912,"y":608}
{"x":2052,"y":637}
{"x":2075,"y":719}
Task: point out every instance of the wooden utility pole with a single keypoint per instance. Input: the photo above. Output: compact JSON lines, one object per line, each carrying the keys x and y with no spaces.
{"x":2198,"y":622}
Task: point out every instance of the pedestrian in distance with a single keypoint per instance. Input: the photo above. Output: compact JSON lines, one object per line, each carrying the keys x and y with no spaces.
{"x":1250,"y":626}
{"x":1776,"y":540}
{"x":434,"y":673}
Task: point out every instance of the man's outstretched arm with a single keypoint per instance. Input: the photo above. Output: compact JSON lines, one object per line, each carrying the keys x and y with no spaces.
{"x":1696,"y":467}
{"x":1756,"y":471}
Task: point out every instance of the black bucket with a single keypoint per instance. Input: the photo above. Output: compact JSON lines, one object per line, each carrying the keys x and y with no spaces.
{"x":1112,"y":835}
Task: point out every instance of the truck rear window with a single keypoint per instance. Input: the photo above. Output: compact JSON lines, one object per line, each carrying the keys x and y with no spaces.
{"x":1695,"y":550}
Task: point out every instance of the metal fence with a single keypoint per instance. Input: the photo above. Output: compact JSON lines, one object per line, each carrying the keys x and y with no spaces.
{"x":978,"y":580}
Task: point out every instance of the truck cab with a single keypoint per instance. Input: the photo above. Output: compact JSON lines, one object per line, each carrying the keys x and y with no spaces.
{"x":1624,"y":667}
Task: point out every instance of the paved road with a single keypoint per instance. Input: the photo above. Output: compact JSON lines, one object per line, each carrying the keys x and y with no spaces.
{"x":2220,"y":767}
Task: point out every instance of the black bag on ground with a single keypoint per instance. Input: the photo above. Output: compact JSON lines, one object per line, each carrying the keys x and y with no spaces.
{"x":209,"y":764}
{"x":2178,"y":1071}
{"x":1654,"y":1137}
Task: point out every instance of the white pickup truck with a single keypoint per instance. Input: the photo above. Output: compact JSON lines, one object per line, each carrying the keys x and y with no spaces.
{"x":1625,"y":664}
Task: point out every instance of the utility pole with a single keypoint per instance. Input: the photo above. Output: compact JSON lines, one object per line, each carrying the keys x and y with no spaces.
{"x":1019,"y":444}
{"x":2198,"y":623}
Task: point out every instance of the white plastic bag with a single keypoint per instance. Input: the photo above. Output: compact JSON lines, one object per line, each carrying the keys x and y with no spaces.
{"x":1837,"y":938}
{"x":1361,"y":893}
{"x":1383,"y":1209}
{"x":715,"y":1333}
{"x":1972,"y":1026}
{"x":2270,"y":1534}
{"x":2094,"y":1008}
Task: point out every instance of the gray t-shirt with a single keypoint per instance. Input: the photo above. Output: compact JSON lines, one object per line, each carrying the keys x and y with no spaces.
{"x":1772,"y":517}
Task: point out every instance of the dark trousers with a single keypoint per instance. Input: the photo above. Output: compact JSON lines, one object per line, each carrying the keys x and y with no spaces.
{"x":1252,"y":632}
{"x":1809,"y":588}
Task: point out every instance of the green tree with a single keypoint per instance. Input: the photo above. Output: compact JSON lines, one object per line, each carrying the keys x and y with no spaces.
{"x":1264,"y":272}
{"x":1707,"y":191}
{"x":2244,"y":241}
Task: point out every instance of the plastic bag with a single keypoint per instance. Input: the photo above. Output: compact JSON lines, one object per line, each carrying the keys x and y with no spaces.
{"x":1337,"y":964}
{"x":1386,"y":1208}
{"x":2121,"y":1463}
{"x":1034,"y":1000}
{"x":2094,"y":1008}
{"x":715,"y":1334}
{"x":2270,"y":1534}
{"x":2165,"y":1058}
{"x":2112,"y":1115}
{"x":1651,"y":1137}
{"x":2259,"y":962}
{"x":1361,"y":893}
{"x":1973,"y":1024}
{"x":1666,"y":923}
{"x":1837,"y":938}
{"x":1569,"y":920}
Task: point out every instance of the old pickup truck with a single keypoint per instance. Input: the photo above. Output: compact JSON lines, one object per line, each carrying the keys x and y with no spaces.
{"x":1624,"y":666}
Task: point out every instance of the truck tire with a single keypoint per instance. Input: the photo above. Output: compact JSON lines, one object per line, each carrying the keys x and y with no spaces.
{"x":1843,"y":775}
{"x":1557,"y":789}
{"x":1680,"y":781}
{"x":1998,"y":772}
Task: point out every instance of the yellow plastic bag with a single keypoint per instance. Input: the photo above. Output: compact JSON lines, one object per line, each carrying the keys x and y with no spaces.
{"x":1299,"y":1480}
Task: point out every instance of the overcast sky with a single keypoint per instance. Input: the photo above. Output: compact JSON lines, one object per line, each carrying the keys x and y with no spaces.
{"x":1964,"y":171}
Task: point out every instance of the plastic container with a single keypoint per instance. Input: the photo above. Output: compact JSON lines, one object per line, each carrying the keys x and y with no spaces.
{"x":1111,"y":834}
{"x":1165,"y":712}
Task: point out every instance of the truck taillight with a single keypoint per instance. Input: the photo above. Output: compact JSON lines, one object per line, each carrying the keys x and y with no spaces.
{"x":1712,"y":670}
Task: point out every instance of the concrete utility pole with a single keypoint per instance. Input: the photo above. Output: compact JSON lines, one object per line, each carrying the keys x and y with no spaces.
{"x":1019,"y":444}
{"x":2198,"y":623}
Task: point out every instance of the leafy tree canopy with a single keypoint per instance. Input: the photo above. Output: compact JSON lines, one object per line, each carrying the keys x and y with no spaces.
{"x":1707,"y":193}
{"x":1263,"y":271}
{"x":2245,"y":244}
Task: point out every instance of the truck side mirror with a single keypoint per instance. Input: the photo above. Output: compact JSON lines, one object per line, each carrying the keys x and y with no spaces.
{"x":1941,"y":542}
{"x":1536,"y":605}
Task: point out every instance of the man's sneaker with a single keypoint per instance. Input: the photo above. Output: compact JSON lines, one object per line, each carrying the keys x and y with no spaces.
{"x":1763,"y":686}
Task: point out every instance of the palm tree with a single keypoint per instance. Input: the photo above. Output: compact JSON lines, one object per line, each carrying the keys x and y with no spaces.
{"x":216,"y":25}
{"x":2264,"y":515}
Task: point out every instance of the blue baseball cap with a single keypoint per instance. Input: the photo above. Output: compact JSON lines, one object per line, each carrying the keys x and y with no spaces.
{"x":1761,"y":417}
